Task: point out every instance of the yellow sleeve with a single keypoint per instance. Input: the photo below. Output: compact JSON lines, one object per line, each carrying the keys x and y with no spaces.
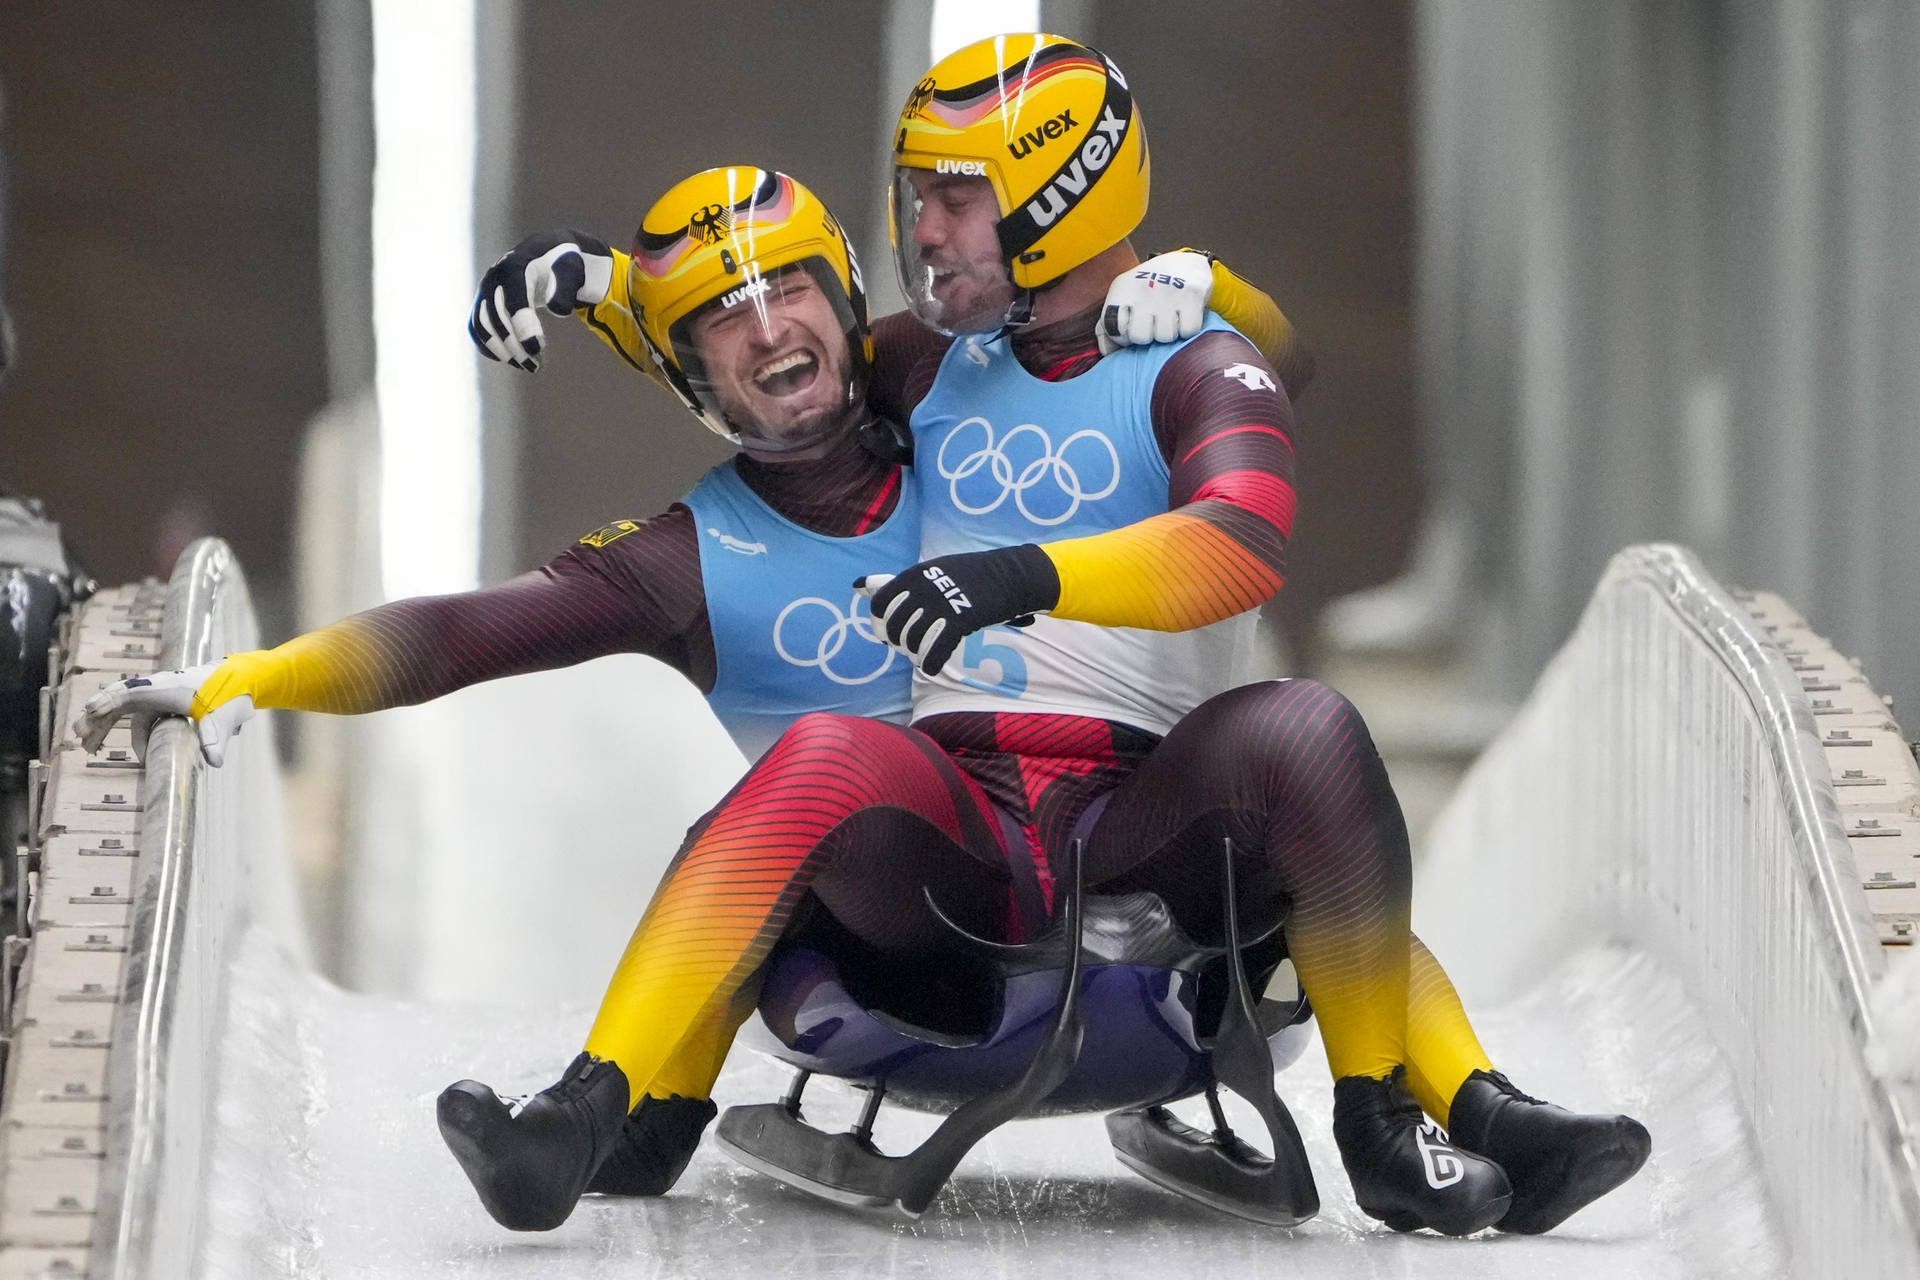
{"x":613,"y":321}
{"x":1248,"y":308}
{"x":337,"y":669}
{"x":1170,"y":572}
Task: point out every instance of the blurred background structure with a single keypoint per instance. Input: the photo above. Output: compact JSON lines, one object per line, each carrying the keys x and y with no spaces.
{"x":192,"y":251}
{"x":1576,"y":275}
{"x":1669,"y":277}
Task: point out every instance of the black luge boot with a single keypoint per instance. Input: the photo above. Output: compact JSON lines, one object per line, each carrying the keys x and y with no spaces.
{"x":655,"y":1144}
{"x":1403,"y":1169}
{"x":531,"y":1161}
{"x":1558,"y":1162}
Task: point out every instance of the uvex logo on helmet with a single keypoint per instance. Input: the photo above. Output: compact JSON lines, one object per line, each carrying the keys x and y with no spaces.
{"x":1041,"y":136}
{"x":752,"y":289}
{"x":1073,"y":177}
{"x":1072,"y":182}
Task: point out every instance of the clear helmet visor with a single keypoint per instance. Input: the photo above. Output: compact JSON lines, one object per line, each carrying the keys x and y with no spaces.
{"x":778,"y":364}
{"x":946,"y":248}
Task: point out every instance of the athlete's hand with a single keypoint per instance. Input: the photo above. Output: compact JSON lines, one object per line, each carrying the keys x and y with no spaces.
{"x":168,"y":693}
{"x":1164,"y":299}
{"x":560,"y":271}
{"x":926,"y":611}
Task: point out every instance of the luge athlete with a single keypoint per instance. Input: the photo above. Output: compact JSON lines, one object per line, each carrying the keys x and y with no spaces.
{"x":1190,"y":451}
{"x":744,"y":587}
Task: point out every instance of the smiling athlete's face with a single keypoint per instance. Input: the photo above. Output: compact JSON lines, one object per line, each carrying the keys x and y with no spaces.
{"x":952,"y":267}
{"x":776,"y":363}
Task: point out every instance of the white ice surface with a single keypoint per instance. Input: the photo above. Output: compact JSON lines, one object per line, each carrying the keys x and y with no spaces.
{"x":329,"y":1163}
{"x":511,"y":878}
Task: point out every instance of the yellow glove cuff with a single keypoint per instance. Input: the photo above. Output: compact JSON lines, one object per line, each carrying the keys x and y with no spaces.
{"x":612,"y":320}
{"x":256,"y":673}
{"x":1253,"y":313}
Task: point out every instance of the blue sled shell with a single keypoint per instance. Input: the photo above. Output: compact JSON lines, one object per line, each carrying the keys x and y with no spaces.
{"x":1144,"y":1025}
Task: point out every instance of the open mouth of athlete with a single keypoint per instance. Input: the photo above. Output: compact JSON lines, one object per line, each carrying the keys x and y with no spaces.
{"x":787,"y":374}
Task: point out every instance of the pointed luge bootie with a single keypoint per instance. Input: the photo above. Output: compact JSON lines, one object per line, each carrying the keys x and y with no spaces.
{"x":531,"y":1159}
{"x":654,"y":1146}
{"x":1404,"y":1170}
{"x":1558,"y":1161}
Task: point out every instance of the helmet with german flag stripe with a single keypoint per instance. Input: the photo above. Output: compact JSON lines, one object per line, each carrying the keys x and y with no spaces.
{"x":1044,"y":127}
{"x":749,"y":299}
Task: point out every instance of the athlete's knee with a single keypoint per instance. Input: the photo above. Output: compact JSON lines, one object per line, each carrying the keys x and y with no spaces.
{"x":1278,"y":721}
{"x":820,"y":730}
{"x":1321,"y":708}
{"x":815,"y":725}
{"x":1307,"y":706}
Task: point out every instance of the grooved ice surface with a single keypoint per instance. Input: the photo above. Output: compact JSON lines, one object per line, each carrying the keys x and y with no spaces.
{"x":328,"y":1162}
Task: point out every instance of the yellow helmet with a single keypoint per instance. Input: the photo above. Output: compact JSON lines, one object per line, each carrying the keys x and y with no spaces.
{"x":749,"y":299}
{"x":1051,"y":127}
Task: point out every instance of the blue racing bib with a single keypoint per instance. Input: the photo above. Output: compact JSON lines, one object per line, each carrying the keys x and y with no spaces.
{"x":789,"y":633}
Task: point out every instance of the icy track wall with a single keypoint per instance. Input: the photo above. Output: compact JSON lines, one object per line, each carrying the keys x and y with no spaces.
{"x":212,"y":861}
{"x":1665,"y":787}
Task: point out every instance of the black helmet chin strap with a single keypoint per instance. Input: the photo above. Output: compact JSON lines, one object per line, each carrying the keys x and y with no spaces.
{"x":1019,"y":311}
{"x":887,"y":440}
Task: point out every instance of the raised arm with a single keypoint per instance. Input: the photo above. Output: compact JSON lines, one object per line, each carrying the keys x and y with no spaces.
{"x":561,"y":272}
{"x":567,"y":272}
{"x":611,"y":319}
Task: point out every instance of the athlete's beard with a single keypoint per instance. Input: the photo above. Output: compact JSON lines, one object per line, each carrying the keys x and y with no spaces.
{"x":835,"y":434}
{"x":966,"y":296}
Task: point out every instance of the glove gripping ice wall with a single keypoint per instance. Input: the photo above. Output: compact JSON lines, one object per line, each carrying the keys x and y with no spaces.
{"x":212,"y":861}
{"x":1665,"y":788}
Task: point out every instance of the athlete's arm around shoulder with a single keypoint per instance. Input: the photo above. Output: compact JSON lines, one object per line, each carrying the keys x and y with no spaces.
{"x":1225,"y":426}
{"x":1248,"y":308}
{"x":559,"y":272}
{"x":1163,"y":299}
{"x":564,"y":272}
{"x":630,"y":586}
{"x":1166,"y":298}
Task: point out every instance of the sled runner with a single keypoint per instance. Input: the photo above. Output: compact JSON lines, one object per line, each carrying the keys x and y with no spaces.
{"x":1113,"y":1009}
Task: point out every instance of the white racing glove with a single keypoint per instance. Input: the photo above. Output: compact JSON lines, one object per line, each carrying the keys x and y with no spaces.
{"x":560,"y":271}
{"x":164,"y":693}
{"x":1164,"y":299}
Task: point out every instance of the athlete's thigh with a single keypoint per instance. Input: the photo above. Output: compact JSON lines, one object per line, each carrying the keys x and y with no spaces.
{"x":1239,"y":767}
{"x":827,"y":767}
{"x":890,"y":875}
{"x":872,"y":817}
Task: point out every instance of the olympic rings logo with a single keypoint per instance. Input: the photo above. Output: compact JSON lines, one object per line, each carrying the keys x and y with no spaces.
{"x":987,"y":476}
{"x":836,"y":629}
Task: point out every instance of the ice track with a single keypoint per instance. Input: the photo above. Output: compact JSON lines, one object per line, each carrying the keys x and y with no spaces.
{"x":327,"y":1163}
{"x":1641,"y":890}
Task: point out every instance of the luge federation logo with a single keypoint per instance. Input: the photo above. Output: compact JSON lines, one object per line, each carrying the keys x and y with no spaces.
{"x":1047,"y":484}
{"x":813,"y":632}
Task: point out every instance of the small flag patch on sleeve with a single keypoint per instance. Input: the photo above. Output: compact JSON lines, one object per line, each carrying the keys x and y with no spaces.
{"x":609,"y":533}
